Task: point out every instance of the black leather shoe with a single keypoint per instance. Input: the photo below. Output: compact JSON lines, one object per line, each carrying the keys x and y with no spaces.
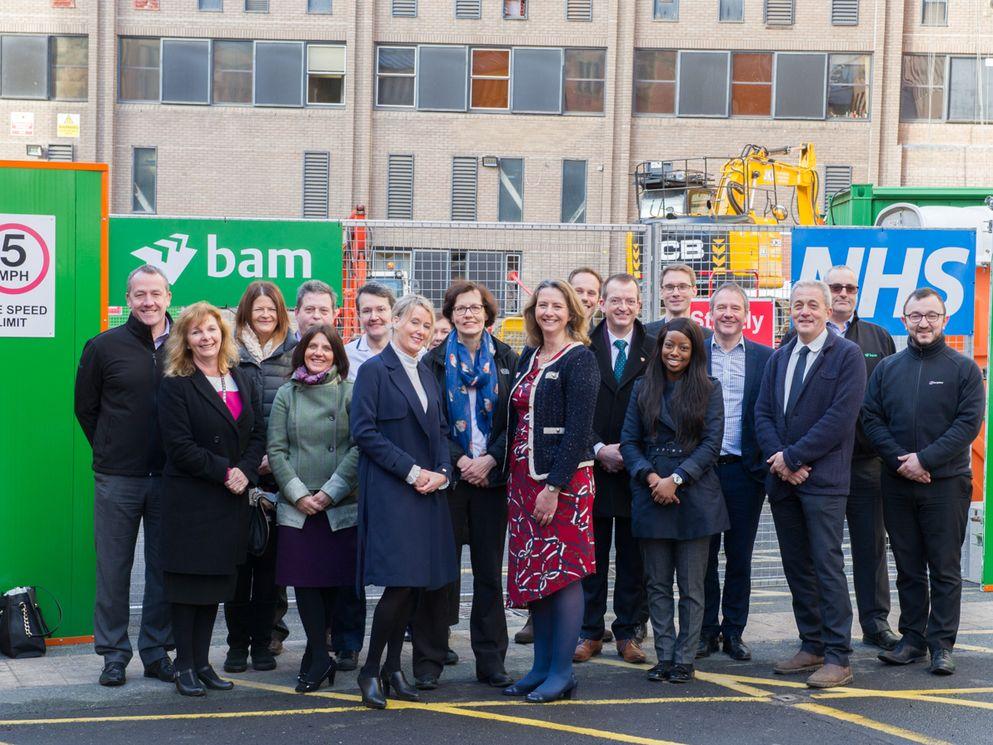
{"x":519,"y":690}
{"x":566,"y":693}
{"x":236,"y":661}
{"x":426,"y":682}
{"x":211,"y":680}
{"x":681,"y":673}
{"x":451,"y":657}
{"x":904,"y":654}
{"x":660,"y":672}
{"x":942,"y":663}
{"x":885,"y":639}
{"x":395,"y":685}
{"x":263,"y":659}
{"x":372,"y":692}
{"x":707,"y":646}
{"x":161,"y":669}
{"x":188,"y":684}
{"x":348,"y":661}
{"x":735,"y":648}
{"x":308,"y":686}
{"x":496,"y":680}
{"x":113,"y":675}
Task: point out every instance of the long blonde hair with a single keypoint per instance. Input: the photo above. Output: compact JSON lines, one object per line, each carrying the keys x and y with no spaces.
{"x":576,"y":327}
{"x":178,"y":355}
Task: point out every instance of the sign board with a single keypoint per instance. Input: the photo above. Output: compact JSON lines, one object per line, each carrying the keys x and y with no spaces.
{"x":216,"y":259}
{"x":760,"y":326}
{"x":890,"y":264}
{"x":27,"y":276}
{"x":21,"y":123}
{"x":67,"y":125}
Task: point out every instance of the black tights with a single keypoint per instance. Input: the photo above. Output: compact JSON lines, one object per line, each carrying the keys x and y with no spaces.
{"x":192,"y":627}
{"x":393,"y":612}
{"x":315,"y":605}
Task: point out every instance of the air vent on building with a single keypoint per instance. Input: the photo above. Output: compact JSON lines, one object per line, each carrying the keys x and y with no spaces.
{"x":579,"y":10}
{"x":61,"y":152}
{"x":257,"y":6}
{"x":836,"y":178}
{"x":405,"y":8}
{"x":845,"y":12}
{"x":400,"y":188}
{"x":471,"y":9}
{"x":779,"y":12}
{"x":464,"y":179}
{"x":316,"y":184}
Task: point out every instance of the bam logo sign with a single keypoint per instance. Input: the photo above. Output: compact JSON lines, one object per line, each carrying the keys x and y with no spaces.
{"x":173,"y":256}
{"x":891,"y":264}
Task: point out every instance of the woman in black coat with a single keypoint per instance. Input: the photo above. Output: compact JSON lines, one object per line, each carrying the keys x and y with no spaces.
{"x":405,"y":531}
{"x":670,"y":442}
{"x":210,"y":416}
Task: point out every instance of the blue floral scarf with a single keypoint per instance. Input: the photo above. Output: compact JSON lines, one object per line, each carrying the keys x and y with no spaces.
{"x":461,"y":374}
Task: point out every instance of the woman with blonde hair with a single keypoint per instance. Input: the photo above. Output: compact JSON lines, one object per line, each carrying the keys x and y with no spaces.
{"x":210,"y":416}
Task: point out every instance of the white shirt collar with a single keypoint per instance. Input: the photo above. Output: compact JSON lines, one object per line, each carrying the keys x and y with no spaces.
{"x":815,"y":345}
{"x":611,"y":338}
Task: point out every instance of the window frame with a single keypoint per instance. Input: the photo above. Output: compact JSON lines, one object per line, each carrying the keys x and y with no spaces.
{"x":586,"y":192}
{"x":561,"y":79}
{"x":868,"y":87}
{"x":120,"y":68}
{"x":980,"y":116}
{"x":663,"y":19}
{"x":500,"y":187}
{"x":674,"y":81}
{"x":740,"y":19}
{"x":465,"y":81}
{"x":509,"y":78}
{"x":255,"y":74}
{"x":602,"y":81}
{"x":775,"y":89}
{"x":413,"y":77}
{"x":328,"y":12}
{"x":47,"y":93}
{"x":944,"y":59}
{"x":52,"y":67}
{"x":210,"y":10}
{"x":213,"y":72}
{"x":753,"y":84}
{"x":306,"y":74}
{"x":526,"y":6}
{"x":727,"y":83}
{"x":210,"y":71}
{"x":155,"y":193}
{"x":923,"y":16}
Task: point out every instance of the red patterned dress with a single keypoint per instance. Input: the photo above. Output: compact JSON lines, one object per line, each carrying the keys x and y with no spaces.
{"x":543,"y":560}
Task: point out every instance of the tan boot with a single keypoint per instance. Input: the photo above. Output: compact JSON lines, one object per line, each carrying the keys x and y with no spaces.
{"x":801,"y":662}
{"x":526,"y":634}
{"x":587,"y":648}
{"x":630,"y":651}
{"x":830,"y":676}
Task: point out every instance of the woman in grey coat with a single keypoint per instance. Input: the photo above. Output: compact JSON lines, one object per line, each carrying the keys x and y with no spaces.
{"x":315,"y":463}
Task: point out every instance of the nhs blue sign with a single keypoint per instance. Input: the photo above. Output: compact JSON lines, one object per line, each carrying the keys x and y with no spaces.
{"x":892,"y":263}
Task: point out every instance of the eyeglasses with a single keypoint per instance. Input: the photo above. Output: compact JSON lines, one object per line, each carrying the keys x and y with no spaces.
{"x":916,"y":318}
{"x":682,"y":287}
{"x":850,"y":289}
{"x":461,"y":310}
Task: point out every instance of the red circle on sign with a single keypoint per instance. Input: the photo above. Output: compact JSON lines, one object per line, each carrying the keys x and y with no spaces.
{"x":45,"y":258}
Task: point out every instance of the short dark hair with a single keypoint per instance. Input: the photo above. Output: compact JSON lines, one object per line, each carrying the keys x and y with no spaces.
{"x":586,"y":270}
{"x":337,"y":348}
{"x":622,"y":277}
{"x":461,"y":287}
{"x":374,"y":288}
{"x":924,"y":292}
{"x":316,"y":287}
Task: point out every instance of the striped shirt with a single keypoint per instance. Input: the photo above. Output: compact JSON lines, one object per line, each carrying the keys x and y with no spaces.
{"x":729,"y":368}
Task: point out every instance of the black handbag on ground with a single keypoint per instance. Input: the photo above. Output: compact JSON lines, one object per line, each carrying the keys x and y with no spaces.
{"x":22,"y":627}
{"x":258,"y":524}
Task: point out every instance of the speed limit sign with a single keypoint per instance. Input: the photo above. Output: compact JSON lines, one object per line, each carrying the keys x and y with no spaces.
{"x":27,"y":275}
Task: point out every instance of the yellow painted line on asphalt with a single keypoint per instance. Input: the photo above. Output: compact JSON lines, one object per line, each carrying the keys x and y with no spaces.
{"x":974,"y":648}
{"x":172,"y":717}
{"x":862,"y":721}
{"x":732,"y":684}
{"x":935,"y":697}
{"x":609,"y":701}
{"x":974,"y":632}
{"x":287,"y":690}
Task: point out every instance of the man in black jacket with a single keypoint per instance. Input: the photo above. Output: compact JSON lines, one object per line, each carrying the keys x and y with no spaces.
{"x":116,"y":399}
{"x":923,"y":408}
{"x":622,"y":349}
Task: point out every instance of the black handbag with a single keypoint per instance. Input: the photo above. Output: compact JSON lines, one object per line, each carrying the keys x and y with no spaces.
{"x":22,"y":627}
{"x":258,"y":524}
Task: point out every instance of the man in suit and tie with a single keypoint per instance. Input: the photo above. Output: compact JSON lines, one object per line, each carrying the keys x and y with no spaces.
{"x":678,"y":291}
{"x":805,"y":423}
{"x":622,"y":349}
{"x":739,"y":365}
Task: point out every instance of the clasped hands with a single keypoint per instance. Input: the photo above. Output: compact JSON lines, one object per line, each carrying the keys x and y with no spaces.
{"x":663,"y":489}
{"x":610,"y":458}
{"x":476,"y":470}
{"x":313,"y":503}
{"x":430,"y":481}
{"x":911,"y":468}
{"x":236,"y":481}
{"x":777,"y":464}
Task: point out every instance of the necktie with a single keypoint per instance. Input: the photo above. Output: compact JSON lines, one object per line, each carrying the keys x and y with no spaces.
{"x":621,"y":360}
{"x":797,"y":385}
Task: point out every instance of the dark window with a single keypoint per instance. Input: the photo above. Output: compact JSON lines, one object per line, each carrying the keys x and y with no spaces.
{"x":537,"y":86}
{"x":703,"y":84}
{"x":143,"y":175}
{"x":395,"y":75}
{"x":319,"y":6}
{"x":573,"y":191}
{"x":70,"y":73}
{"x":751,"y":84}
{"x":731,"y":10}
{"x":233,"y":72}
{"x":922,"y":93}
{"x":510,"y":207}
{"x":934,"y":13}
{"x":490,"y":79}
{"x":210,"y":5}
{"x":666,"y":10}
{"x":185,"y":71}
{"x":800,"y":86}
{"x":970,"y":89}
{"x":441,"y":78}
{"x":278,"y":73}
{"x":654,"y":81}
{"x":585,"y":74}
{"x":848,"y":86}
{"x":325,"y":74}
{"x":139,"y":69}
{"x":24,"y":73}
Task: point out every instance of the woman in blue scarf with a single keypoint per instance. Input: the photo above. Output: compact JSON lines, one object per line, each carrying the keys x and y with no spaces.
{"x":475,"y":373}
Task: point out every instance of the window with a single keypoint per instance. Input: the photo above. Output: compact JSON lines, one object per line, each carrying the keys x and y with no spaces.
{"x":490,"y":79}
{"x":922,"y":93}
{"x":25,"y":67}
{"x":778,"y":12}
{"x":848,"y":86}
{"x":404,"y":8}
{"x":731,"y":11}
{"x":970,"y":89}
{"x":537,"y":87}
{"x":70,"y":76}
{"x":232,"y":72}
{"x":515,"y":9}
{"x":585,"y":73}
{"x":400,"y":187}
{"x":666,"y":10}
{"x":573,"y":191}
{"x":319,"y":6}
{"x":441,"y":78}
{"x":510,"y":207}
{"x":579,"y":10}
{"x":316,"y":183}
{"x":143,"y":174}
{"x":210,"y":4}
{"x":703,"y":83}
{"x":465,"y":176}
{"x":185,"y":71}
{"x":751,"y":84}
{"x":139,"y":75}
{"x":654,"y":81}
{"x":257,"y":6}
{"x":800,"y":86}
{"x":396,"y":69}
{"x":934,"y":13}
{"x":845,"y":12}
{"x":325,"y":74}
{"x":278,"y":73}
{"x":468,"y":9}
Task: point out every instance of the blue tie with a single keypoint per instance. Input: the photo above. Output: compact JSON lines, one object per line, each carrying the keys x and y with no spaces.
{"x":621,"y":360}
{"x":797,"y":385}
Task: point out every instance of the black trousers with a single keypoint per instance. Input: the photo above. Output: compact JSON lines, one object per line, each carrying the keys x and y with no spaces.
{"x":867,"y":535}
{"x":348,"y":620}
{"x":630,"y":597}
{"x":429,"y":630}
{"x":479,"y":520}
{"x":926,"y":523}
{"x":249,"y":615}
{"x":744,"y":497}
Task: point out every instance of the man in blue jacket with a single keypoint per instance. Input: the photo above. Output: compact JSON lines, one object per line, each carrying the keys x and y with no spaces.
{"x":805,"y":423}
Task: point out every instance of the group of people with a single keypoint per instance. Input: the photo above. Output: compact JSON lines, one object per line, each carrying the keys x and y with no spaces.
{"x":380,"y":460}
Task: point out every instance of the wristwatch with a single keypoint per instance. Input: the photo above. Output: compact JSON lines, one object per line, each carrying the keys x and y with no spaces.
{"x":677,"y":479}
{"x":553,"y":489}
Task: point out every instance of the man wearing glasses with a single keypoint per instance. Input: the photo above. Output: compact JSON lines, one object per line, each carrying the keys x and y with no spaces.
{"x":923,"y":408}
{"x":678,"y":291}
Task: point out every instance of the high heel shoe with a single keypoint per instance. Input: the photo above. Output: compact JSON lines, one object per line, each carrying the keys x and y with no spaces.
{"x":372,"y":692}
{"x":211,"y":680}
{"x":520,"y":690}
{"x":566,"y":694}
{"x":188,"y":684}
{"x":401,"y":688}
{"x":308,"y":686}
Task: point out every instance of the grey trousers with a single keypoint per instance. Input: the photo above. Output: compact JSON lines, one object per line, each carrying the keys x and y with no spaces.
{"x":120,"y":505}
{"x":688,"y":560}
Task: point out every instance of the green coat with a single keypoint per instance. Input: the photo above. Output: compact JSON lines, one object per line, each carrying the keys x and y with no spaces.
{"x":310,"y":448}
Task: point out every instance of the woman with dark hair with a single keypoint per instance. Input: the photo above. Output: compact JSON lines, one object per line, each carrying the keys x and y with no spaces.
{"x":670,"y":442}
{"x":315,"y":464}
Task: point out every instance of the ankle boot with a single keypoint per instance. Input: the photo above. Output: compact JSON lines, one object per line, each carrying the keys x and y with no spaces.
{"x":401,"y":688}
{"x":372,"y":692}
{"x":188,"y":684}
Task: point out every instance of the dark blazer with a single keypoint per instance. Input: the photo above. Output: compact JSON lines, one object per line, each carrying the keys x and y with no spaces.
{"x":613,"y":490}
{"x":561,"y":414}
{"x":701,"y":510}
{"x":205,"y":526}
{"x":756,"y":357}
{"x":496,"y":445}
{"x":820,"y":432}
{"x":405,"y":538}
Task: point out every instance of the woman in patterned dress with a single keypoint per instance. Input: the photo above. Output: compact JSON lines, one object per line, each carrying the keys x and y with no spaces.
{"x":550,"y":486}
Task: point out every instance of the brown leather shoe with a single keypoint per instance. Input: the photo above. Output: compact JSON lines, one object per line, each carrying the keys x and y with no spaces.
{"x":801,"y":662}
{"x":630,"y":651}
{"x":587,"y":648}
{"x":830,"y":676}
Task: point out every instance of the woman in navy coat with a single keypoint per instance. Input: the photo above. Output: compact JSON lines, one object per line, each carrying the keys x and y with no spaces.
{"x":406,"y":544}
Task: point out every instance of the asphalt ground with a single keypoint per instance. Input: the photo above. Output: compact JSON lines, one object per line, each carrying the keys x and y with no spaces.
{"x":56,"y":699}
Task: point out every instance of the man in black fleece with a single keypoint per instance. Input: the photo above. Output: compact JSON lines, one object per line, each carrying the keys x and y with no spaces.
{"x":923,"y":408}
